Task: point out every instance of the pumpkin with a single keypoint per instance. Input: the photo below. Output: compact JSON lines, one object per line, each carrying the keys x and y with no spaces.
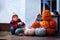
{"x":35,"y":24}
{"x":29,"y":31}
{"x":53,"y":24}
{"x":50,"y":31}
{"x":44,"y":24}
{"x":46,"y":15}
{"x":40,"y":31}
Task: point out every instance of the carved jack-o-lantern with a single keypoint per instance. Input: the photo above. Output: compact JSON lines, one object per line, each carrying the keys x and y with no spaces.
{"x":44,"y":24}
{"x":46,"y":15}
{"x":35,"y":25}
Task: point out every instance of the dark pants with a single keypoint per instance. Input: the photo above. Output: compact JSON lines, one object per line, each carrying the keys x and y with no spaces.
{"x":17,"y":31}
{"x":12,"y":29}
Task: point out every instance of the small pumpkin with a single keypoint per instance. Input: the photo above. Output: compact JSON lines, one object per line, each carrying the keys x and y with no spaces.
{"x":53,"y":24}
{"x":29,"y":31}
{"x":46,"y":15}
{"x":40,"y":31}
{"x":44,"y":24}
{"x":50,"y":31}
{"x":35,"y":24}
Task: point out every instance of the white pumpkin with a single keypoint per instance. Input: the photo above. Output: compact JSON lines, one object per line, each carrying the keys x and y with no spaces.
{"x":40,"y":31}
{"x":29,"y":31}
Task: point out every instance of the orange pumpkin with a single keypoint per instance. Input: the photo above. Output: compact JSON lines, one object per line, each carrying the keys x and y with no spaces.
{"x":35,"y":25}
{"x":53,"y":24}
{"x":46,"y":15}
{"x":44,"y":24}
{"x":50,"y":31}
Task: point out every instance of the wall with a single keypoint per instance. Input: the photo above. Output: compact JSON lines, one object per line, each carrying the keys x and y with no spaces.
{"x":32,"y":9}
{"x":7,"y":7}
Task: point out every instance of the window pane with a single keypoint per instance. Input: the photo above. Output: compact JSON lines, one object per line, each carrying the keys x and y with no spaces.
{"x":52,"y":4}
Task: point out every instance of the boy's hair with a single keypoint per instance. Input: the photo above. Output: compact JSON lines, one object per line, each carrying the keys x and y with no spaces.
{"x":14,"y":15}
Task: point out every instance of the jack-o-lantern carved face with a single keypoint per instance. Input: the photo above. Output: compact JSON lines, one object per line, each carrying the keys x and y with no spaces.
{"x":53,"y":24}
{"x":46,"y":15}
{"x":35,"y":25}
{"x":44,"y":24}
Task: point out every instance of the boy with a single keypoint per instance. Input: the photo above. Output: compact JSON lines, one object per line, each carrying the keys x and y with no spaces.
{"x":16,"y":25}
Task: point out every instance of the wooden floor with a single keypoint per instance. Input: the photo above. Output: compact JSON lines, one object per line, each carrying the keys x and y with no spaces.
{"x":8,"y":36}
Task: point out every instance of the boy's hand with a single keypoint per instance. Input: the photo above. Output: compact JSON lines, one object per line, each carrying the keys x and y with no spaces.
{"x":20,"y":23}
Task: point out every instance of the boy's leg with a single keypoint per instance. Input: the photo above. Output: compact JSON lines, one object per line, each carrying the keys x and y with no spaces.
{"x":19,"y":31}
{"x":12,"y":29}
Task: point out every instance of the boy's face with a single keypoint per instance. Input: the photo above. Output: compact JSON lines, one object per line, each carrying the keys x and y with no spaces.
{"x":15,"y":18}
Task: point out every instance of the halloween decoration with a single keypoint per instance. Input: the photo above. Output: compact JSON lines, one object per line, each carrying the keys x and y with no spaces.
{"x":44,"y":24}
{"x":50,"y":31}
{"x":53,"y":24}
{"x":35,"y":25}
{"x":29,"y":31}
{"x":40,"y":31}
{"x":46,"y":15}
